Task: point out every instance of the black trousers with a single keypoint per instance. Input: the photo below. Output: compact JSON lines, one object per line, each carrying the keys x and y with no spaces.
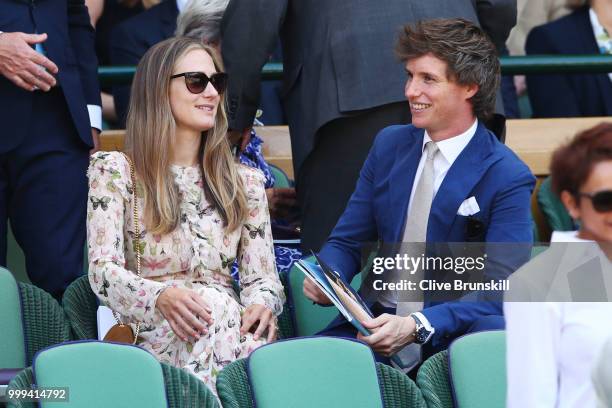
{"x":328,"y":176}
{"x":43,"y":191}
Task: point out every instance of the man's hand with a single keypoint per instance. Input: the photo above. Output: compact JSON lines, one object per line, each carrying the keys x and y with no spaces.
{"x":95,"y":136}
{"x":186,"y":311}
{"x":312,"y":292}
{"x":281,"y":201}
{"x":23,"y":66}
{"x":390,"y":333}
{"x":262,"y":317}
{"x":240,"y":138}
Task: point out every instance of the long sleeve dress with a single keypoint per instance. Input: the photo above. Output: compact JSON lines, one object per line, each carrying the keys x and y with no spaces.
{"x":197,"y":255}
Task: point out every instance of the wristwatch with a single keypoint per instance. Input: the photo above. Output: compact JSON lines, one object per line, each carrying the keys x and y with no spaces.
{"x":422,"y":332}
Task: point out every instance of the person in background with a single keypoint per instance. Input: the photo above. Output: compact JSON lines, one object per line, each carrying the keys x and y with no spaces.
{"x":105,"y":15}
{"x":51,"y":118}
{"x":532,"y":13}
{"x":573,"y":95}
{"x":559,"y":306}
{"x":197,"y":212}
{"x":134,"y":36}
{"x":130,"y":39}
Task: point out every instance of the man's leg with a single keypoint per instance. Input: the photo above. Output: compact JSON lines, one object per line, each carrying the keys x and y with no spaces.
{"x":49,"y":201}
{"x":328,"y":176}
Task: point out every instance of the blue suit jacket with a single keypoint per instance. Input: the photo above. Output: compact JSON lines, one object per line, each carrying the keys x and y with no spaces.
{"x":568,"y":95}
{"x":70,"y":45}
{"x":486,"y":169}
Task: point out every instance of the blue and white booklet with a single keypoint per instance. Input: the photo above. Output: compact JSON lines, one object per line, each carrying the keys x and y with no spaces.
{"x":342,"y":295}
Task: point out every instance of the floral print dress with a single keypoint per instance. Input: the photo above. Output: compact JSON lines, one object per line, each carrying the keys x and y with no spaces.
{"x":197,"y":255}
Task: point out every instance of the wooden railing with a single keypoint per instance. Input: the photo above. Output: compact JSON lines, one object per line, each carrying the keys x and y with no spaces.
{"x":533,"y":140}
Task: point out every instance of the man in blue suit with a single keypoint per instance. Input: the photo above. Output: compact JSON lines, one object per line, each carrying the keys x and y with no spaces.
{"x":50,"y":119}
{"x":445,"y":178}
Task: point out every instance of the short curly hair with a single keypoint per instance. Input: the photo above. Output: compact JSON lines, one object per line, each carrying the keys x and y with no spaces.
{"x":572,"y":163}
{"x":470,"y":55}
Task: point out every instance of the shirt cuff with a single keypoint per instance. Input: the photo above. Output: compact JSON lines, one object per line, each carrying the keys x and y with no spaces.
{"x":95,"y":116}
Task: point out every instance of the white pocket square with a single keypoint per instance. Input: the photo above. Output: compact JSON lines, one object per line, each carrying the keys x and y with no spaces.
{"x":468,"y":207}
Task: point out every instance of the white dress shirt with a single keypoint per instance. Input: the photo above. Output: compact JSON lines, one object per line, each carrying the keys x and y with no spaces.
{"x":450,"y":149}
{"x":181,"y":4}
{"x":552,"y":347}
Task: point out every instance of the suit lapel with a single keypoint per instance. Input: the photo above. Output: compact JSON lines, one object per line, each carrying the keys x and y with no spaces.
{"x":460,"y":180}
{"x":401,"y":179}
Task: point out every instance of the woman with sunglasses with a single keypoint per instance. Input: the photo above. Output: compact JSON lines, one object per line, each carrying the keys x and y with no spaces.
{"x":197,"y":211}
{"x":558,"y":311}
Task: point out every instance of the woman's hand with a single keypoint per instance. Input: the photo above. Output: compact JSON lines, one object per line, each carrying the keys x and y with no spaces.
{"x":267,"y":321}
{"x":185,"y":310}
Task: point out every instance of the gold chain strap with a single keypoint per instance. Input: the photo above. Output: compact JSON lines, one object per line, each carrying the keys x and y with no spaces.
{"x":136,"y":237}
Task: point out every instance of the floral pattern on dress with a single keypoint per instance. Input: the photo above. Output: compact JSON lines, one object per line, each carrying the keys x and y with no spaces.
{"x":197,"y":255}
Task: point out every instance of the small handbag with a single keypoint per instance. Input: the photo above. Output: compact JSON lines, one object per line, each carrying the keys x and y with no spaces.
{"x":120,"y":332}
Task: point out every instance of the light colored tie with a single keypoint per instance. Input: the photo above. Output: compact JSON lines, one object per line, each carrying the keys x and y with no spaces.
{"x":415,"y":231}
{"x":418,"y":214}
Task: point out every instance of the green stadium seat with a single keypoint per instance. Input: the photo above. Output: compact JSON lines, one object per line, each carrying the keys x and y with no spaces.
{"x":315,"y":372}
{"x":15,"y":260}
{"x":281,"y":180}
{"x":472,"y":373}
{"x":12,"y":343}
{"x":30,"y":320}
{"x":553,"y":209}
{"x":99,"y":374}
{"x":81,"y":306}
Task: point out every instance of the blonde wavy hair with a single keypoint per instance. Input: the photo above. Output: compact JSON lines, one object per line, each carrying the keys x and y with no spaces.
{"x":150,"y":135}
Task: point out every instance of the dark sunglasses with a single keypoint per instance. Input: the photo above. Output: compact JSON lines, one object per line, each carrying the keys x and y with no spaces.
{"x":196,"y":82}
{"x":602,"y":200}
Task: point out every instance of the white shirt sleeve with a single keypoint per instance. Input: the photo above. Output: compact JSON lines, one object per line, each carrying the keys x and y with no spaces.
{"x":95,"y":116}
{"x":533,"y":332}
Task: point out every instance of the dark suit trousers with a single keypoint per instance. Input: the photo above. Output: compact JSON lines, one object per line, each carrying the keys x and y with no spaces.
{"x":43,"y":191}
{"x":329,"y":174}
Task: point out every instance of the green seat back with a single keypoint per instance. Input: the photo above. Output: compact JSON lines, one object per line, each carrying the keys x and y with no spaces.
{"x":101,"y":375}
{"x":15,"y":260}
{"x":12,"y":345}
{"x":556,"y":215}
{"x":310,"y":318}
{"x":477,"y":365}
{"x":281,"y":180}
{"x":314,"y":372}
